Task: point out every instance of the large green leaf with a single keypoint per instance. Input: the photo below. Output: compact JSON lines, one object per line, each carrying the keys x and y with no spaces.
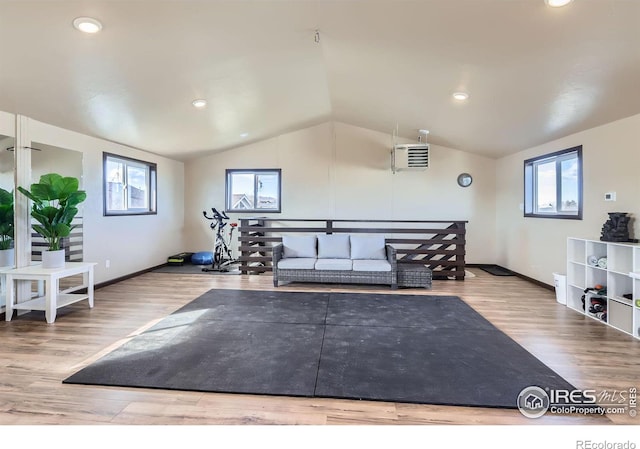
{"x":75,"y":198}
{"x":43,"y":231}
{"x":44,"y":192}
{"x":28,"y":194}
{"x":45,"y":215}
{"x":62,"y":230}
{"x":50,"y":178}
{"x":54,"y":206}
{"x":6,"y":230}
{"x":66,"y":215}
{"x":66,"y":186}
{"x":6,"y":197}
{"x":6,"y":213}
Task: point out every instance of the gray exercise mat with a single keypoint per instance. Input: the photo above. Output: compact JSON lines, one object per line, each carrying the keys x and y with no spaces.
{"x":387,"y":347}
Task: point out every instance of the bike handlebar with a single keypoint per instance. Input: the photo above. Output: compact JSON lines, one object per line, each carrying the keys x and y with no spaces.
{"x":217,"y":215}
{"x":222,"y":214}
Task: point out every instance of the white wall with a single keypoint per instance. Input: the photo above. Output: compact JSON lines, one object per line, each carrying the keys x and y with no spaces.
{"x":7,"y":131}
{"x":131,"y":243}
{"x":6,"y":163}
{"x":536,"y":247}
{"x":335,"y":170}
{"x":52,"y":159}
{"x":7,"y":124}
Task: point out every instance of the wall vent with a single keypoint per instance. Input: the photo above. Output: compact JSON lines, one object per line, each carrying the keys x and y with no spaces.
{"x":413,"y":157}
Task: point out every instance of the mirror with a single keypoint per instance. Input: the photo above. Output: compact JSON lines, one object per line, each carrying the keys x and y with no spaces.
{"x":464,"y":180}
{"x":51,"y":159}
{"x":6,"y":202}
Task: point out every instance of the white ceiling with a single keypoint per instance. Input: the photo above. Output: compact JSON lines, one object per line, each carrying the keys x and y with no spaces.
{"x":533,"y":73}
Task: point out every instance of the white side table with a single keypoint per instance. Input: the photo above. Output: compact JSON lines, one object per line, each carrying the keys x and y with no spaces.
{"x":2,"y":289}
{"x":53,"y":298}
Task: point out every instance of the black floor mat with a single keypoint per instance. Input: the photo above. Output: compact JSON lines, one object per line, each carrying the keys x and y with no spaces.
{"x":389,"y":347}
{"x":496,"y":270}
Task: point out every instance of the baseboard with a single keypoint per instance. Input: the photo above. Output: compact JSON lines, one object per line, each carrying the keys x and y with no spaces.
{"x":521,"y":276}
{"x":535,"y":281}
{"x":127,"y":276}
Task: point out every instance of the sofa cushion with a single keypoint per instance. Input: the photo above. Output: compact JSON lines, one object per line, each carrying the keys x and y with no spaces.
{"x":299,"y":246}
{"x":333,"y":264}
{"x":368,"y":247}
{"x":333,"y":246}
{"x":371,"y":265}
{"x":297,"y":263}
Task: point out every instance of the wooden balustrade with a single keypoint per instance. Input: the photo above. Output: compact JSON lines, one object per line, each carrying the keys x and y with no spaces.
{"x":439,"y":245}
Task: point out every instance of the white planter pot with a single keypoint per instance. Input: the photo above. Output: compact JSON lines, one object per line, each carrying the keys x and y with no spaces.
{"x":7,"y":257}
{"x":53,"y":259}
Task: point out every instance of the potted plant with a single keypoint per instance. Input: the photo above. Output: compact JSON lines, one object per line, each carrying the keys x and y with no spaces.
{"x":6,"y":228}
{"x":54,"y":207}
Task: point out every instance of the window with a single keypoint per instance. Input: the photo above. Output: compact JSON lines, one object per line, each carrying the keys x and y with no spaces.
{"x":129,"y":186}
{"x":253,"y":190}
{"x":553,"y":185}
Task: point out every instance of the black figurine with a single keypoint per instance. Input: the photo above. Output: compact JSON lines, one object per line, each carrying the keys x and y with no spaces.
{"x":616,"y":228}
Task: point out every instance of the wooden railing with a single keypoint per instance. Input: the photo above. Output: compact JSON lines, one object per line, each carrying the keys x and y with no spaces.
{"x":439,"y":245}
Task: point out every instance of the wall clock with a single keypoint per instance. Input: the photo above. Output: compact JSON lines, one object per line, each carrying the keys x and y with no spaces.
{"x":464,"y":180}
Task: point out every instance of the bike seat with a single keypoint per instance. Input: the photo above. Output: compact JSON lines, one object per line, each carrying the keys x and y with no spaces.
{"x":233,"y":225}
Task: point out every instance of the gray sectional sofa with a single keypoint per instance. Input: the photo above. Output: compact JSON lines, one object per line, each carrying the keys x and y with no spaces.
{"x":335,"y":258}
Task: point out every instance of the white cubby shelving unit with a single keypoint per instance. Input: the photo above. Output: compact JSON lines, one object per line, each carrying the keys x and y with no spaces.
{"x":614,"y":265}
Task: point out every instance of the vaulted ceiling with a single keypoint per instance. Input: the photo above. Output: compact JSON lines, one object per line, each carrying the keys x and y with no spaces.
{"x":533,"y":73}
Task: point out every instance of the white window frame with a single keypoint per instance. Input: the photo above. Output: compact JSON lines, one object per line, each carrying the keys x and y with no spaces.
{"x":531,"y":187}
{"x":151,"y":186}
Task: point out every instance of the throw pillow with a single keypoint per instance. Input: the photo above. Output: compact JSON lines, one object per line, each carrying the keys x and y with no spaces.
{"x":368,"y":247}
{"x":299,"y":246}
{"x":333,"y":246}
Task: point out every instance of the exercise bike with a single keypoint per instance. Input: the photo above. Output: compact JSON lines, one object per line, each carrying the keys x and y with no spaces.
{"x":222,"y":257}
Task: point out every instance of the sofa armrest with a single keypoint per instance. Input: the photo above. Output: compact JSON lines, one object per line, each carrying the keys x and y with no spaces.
{"x":277,"y":254}
{"x":392,"y":256}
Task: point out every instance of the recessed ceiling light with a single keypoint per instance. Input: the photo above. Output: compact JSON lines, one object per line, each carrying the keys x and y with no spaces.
{"x":243,"y":135}
{"x":557,"y":3}
{"x":199,"y":103}
{"x":87,"y":24}
{"x":460,"y":96}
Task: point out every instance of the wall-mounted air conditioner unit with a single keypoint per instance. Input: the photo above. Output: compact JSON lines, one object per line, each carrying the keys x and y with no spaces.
{"x":413,"y":156}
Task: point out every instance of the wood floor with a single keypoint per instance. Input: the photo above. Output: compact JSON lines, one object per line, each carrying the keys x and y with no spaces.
{"x":35,"y":357}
